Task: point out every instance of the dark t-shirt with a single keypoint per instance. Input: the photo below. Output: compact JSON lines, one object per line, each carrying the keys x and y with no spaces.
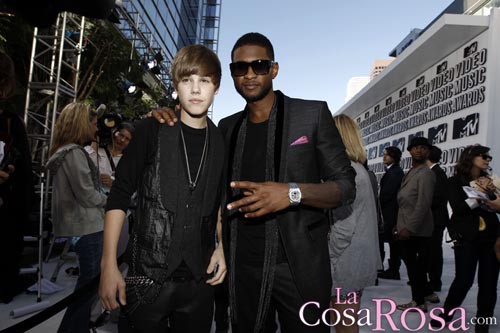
{"x":251,"y":232}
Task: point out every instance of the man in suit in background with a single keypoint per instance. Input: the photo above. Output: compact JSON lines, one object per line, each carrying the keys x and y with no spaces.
{"x":389,"y":187}
{"x":440,"y":217}
{"x":415,"y":226}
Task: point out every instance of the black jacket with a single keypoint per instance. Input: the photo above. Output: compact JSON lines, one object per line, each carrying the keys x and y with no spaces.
{"x":464,"y":223}
{"x":388,"y":198}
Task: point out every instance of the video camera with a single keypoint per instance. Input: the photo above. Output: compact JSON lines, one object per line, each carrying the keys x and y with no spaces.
{"x":105,"y":127}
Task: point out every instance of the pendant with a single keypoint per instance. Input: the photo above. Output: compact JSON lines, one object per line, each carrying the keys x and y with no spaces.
{"x":192,"y":186}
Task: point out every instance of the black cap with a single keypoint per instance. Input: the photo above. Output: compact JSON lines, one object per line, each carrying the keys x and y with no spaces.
{"x":419,"y":141}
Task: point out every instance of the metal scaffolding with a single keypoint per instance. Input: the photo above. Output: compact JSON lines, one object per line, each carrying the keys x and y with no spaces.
{"x":52,"y":82}
{"x":136,"y":30}
{"x":56,"y":54}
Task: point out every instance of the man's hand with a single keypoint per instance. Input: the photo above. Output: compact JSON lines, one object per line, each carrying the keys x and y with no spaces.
{"x":112,"y":283}
{"x":166,"y":115}
{"x":4,"y":176}
{"x":261,"y":198}
{"x":497,"y":248}
{"x":106,"y":180}
{"x":218,"y":261}
{"x":404,"y":234}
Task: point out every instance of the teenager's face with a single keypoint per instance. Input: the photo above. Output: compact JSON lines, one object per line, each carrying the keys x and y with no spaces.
{"x":196,"y":94}
{"x":253,"y":87}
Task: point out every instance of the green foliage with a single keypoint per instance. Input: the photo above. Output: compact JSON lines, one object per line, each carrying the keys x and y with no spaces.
{"x":16,"y":37}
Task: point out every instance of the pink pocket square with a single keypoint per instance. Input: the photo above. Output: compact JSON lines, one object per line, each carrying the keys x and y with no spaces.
{"x":300,"y":141}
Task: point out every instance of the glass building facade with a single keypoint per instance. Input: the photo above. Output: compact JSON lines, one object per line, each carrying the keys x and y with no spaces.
{"x":165,"y":26}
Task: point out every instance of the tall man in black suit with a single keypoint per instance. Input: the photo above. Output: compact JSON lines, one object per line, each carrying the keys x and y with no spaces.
{"x":440,"y":217}
{"x":286,"y":165}
{"x":388,"y":198}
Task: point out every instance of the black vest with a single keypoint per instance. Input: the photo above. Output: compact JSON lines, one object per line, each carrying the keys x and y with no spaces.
{"x":168,"y":229}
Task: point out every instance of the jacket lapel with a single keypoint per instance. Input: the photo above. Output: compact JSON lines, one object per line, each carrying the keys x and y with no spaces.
{"x":213,"y":167}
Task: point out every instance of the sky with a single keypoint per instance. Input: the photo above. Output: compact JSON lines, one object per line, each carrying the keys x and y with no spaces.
{"x":319,"y":44}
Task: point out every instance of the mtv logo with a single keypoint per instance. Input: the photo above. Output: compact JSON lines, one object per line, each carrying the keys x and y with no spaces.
{"x":382,"y":147}
{"x":420,"y":81}
{"x":377,"y":108}
{"x":471,"y":49}
{"x":402,"y":92}
{"x":367,"y":115}
{"x":442,"y":67}
{"x":358,"y":120}
{"x":372,"y":153}
{"x":415,"y":135}
{"x":437,"y":134}
{"x":388,"y":101}
{"x":466,"y":126}
{"x":400,"y":143}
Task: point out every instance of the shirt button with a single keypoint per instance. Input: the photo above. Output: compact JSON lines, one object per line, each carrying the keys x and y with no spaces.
{"x":187,"y":205}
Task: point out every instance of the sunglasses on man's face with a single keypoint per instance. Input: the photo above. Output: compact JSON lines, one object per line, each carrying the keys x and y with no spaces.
{"x":486,"y":157}
{"x":259,"y":67}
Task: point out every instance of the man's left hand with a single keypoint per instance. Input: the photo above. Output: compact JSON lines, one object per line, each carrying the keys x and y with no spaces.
{"x":218,"y":261}
{"x":261,"y":198}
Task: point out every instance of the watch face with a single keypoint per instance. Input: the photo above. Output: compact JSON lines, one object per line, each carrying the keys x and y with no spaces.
{"x":295,"y":195}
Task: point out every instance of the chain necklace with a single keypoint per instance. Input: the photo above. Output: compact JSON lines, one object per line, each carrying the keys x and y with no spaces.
{"x":192,"y":184}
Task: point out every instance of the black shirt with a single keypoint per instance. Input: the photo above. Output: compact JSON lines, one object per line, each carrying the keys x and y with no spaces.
{"x":251,"y":232}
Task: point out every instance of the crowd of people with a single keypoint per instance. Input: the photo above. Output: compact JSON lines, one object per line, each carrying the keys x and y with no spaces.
{"x":277,"y":199}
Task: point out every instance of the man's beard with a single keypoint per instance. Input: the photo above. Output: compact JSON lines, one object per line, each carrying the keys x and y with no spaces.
{"x":249,"y":99}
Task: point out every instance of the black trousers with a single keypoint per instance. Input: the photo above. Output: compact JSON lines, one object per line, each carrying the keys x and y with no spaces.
{"x":435,"y":269}
{"x":180,"y":307}
{"x":414,"y":252}
{"x":11,"y":249}
{"x":467,"y":257}
{"x":221,"y":298}
{"x":285,"y":301}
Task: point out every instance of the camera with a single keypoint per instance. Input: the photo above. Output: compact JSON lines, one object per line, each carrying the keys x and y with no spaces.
{"x":105,"y":127}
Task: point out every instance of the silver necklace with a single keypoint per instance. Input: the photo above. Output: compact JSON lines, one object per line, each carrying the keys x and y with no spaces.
{"x":192,"y":184}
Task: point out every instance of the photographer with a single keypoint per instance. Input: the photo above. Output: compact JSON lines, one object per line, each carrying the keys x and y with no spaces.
{"x":109,"y":151}
{"x":16,"y":186}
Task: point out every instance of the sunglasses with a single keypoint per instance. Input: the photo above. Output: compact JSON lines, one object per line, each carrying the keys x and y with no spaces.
{"x":486,"y":157}
{"x":259,"y":67}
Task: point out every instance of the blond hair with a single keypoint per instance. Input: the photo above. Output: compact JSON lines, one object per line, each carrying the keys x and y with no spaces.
{"x":196,"y":59}
{"x":72,"y":126}
{"x":351,"y":137}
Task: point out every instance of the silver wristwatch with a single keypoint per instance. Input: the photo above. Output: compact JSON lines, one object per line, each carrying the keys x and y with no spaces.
{"x":294,"y":194}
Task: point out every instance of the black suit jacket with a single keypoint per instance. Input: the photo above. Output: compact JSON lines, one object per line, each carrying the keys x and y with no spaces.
{"x":440,"y":198}
{"x":389,"y":187}
{"x":303,"y":229}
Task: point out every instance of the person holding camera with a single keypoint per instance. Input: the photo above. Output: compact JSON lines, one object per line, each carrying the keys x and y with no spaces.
{"x":107,"y":153}
{"x":77,"y":203}
{"x":16,"y":186}
{"x":474,"y":229}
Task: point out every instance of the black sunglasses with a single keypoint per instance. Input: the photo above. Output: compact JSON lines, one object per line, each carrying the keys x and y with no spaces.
{"x":259,"y":67}
{"x":486,"y":157}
